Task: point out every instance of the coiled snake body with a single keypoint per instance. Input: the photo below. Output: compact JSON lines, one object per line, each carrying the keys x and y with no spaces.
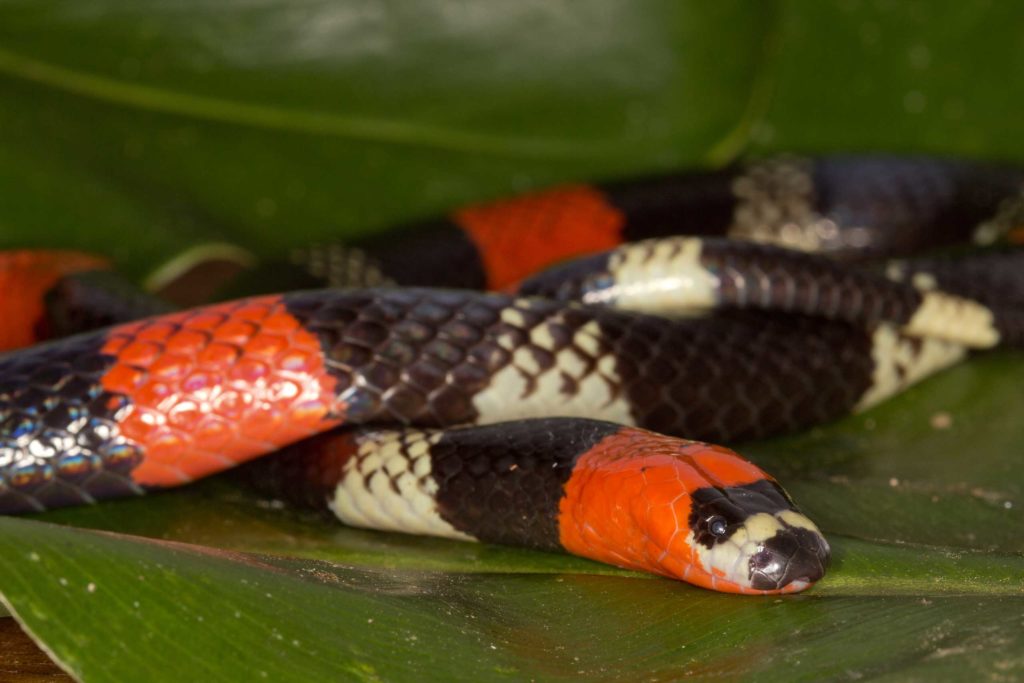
{"x":532,"y":418}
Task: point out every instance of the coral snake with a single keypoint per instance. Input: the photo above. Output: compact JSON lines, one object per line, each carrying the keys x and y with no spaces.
{"x":536,"y":414}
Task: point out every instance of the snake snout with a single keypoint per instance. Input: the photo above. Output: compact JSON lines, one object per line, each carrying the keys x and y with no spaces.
{"x":794,"y":555}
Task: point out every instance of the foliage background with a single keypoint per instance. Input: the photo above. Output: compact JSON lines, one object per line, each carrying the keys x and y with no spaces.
{"x":140,"y":128}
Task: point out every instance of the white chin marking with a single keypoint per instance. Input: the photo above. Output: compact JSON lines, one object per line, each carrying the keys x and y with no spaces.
{"x":732,"y":556}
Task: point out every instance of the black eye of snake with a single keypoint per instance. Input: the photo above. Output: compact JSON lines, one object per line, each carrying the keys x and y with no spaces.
{"x":717,"y":526}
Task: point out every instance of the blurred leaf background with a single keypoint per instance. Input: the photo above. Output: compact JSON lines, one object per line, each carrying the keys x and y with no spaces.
{"x":140,"y":128}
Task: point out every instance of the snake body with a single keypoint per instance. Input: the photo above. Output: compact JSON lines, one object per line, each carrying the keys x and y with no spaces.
{"x":759,"y":340}
{"x":848,"y":207}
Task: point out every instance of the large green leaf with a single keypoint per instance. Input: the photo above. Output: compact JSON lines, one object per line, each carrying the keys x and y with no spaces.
{"x":113,"y":608}
{"x":262,"y":123}
{"x":198,"y":121}
{"x":140,"y":128}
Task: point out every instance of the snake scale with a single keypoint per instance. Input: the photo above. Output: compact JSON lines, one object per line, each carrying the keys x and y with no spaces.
{"x":572,"y":407}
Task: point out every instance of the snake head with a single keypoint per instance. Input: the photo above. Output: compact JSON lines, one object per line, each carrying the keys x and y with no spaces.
{"x":692,"y":511}
{"x":751,"y":538}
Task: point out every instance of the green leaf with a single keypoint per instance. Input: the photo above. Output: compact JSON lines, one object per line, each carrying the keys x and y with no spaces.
{"x":116,"y":608}
{"x":937,"y":465}
{"x":911,"y":76}
{"x":340,"y":119}
{"x":141,"y":128}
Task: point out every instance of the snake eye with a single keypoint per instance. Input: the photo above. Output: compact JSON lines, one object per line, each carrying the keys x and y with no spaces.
{"x":717,"y":526}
